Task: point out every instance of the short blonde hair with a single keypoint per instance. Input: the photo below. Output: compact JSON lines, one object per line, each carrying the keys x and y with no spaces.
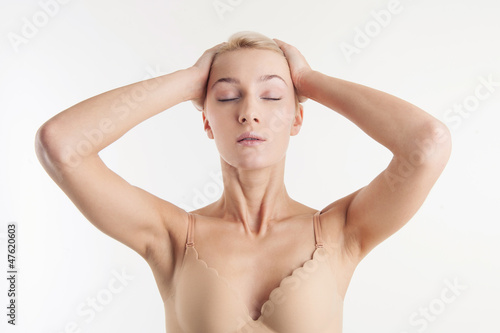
{"x":248,"y":40}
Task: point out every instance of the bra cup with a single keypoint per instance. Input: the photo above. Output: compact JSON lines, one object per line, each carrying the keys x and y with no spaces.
{"x":306,"y":301}
{"x":204,"y":302}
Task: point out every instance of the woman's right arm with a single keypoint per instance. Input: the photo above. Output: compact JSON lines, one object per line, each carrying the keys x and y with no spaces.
{"x":68,"y":144}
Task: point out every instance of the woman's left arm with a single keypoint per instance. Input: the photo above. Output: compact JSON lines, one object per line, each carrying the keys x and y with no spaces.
{"x":420,"y":143}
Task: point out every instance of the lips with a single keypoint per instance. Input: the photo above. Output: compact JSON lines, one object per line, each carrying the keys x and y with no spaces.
{"x":250,"y":136}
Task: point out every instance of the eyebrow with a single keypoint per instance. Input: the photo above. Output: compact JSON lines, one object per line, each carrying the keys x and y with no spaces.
{"x":263,"y":78}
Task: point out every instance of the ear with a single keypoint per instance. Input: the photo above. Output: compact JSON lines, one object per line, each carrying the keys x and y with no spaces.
{"x":206,"y":126}
{"x":297,"y":122}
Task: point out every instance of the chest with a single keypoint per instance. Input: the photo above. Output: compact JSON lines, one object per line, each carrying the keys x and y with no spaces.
{"x":305,"y":300}
{"x":254,"y":274}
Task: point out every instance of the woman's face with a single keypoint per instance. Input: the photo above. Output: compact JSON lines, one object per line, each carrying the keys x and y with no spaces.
{"x":251,"y":90}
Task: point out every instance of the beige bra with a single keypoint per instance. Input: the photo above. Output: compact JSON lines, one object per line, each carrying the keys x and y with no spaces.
{"x":306,"y":301}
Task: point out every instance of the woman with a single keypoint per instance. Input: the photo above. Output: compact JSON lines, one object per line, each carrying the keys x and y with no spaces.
{"x":255,"y":260}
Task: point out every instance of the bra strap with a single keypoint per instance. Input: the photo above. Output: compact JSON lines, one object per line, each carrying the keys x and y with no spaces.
{"x":317,"y":230}
{"x":190,"y":231}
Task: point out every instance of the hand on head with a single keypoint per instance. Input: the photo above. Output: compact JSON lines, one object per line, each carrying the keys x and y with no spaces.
{"x":202,"y":69}
{"x":298,"y":66}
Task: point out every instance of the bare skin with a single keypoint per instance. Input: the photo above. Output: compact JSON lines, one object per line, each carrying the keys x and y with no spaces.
{"x":255,"y":234}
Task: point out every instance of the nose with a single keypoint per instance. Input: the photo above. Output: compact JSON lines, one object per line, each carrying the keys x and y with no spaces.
{"x":246,"y":114}
{"x":244,"y":118}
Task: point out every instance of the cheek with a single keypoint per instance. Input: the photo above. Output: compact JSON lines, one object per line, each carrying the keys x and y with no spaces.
{"x":282,"y":117}
{"x":220,"y":125}
{"x":279,"y":124}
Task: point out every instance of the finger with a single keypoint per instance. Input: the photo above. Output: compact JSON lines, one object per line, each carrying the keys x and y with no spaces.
{"x":279,"y":42}
{"x":281,"y":45}
{"x":208,"y":56}
{"x":290,"y":51}
{"x":215,"y":48}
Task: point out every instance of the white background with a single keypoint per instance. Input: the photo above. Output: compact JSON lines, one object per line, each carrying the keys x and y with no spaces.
{"x":431,"y":53}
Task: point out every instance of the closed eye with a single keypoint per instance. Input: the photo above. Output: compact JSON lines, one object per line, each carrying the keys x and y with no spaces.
{"x":228,"y":99}
{"x":236,"y":98}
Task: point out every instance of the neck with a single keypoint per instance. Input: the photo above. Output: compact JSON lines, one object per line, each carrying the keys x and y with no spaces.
{"x":254,"y":198}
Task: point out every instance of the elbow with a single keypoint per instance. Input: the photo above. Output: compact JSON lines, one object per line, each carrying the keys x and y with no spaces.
{"x":48,"y":146}
{"x":441,"y":136}
{"x":44,"y":141}
{"x":433,"y":145}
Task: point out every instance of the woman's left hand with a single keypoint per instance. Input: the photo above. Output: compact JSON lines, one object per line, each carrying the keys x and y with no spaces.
{"x":298,"y":67}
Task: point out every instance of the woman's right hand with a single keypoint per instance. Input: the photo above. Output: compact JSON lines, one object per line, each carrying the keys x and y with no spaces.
{"x":201,"y":70}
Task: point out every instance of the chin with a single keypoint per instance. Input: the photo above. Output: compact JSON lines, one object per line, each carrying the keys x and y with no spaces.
{"x":253,"y":162}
